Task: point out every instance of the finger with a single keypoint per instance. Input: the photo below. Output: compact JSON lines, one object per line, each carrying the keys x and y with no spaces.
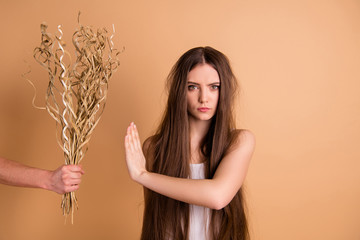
{"x":128,"y":131}
{"x":73,"y":182}
{"x":70,"y":183}
{"x":129,"y":144}
{"x":74,"y":175}
{"x":81,"y":169}
{"x":75,"y":168}
{"x":136,"y":138}
{"x":71,"y":188}
{"x":132,"y":137}
{"x":126,"y":142}
{"x":136,"y":133}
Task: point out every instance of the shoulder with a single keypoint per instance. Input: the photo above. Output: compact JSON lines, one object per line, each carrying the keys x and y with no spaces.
{"x":243,"y":140}
{"x":245,"y":135}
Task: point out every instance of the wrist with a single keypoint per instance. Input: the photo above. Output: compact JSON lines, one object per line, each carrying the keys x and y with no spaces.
{"x":45,"y":182}
{"x":141,"y":178}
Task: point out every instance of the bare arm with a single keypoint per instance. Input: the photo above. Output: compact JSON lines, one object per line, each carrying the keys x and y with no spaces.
{"x":63,"y":179}
{"x":214,"y":193}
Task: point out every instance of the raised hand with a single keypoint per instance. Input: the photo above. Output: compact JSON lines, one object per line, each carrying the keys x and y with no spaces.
{"x":135,"y":159}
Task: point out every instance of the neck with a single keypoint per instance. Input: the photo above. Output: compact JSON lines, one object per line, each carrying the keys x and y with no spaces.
{"x":198,"y":130}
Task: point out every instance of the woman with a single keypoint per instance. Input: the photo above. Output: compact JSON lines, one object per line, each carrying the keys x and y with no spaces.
{"x":193,"y":168}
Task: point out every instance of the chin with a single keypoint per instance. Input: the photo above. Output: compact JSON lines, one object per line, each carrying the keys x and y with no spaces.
{"x":201,"y":117}
{"x":204,"y":118}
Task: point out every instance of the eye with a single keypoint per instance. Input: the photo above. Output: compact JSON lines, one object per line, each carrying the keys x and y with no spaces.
{"x":215,"y":87}
{"x":192,"y":87}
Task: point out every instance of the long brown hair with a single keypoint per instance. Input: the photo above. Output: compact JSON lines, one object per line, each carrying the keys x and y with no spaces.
{"x":168,"y":154}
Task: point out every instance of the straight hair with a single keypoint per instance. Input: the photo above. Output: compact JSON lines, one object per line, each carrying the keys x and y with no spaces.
{"x":168,"y":153}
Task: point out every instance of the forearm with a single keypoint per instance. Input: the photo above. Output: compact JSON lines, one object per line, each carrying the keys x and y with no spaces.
{"x":204,"y":192}
{"x":17,"y":174}
{"x":213,"y":193}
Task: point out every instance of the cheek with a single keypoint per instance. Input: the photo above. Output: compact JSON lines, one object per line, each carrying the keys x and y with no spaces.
{"x":190,"y":99}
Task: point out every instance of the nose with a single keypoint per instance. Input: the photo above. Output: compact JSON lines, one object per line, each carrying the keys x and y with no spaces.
{"x":203,"y":97}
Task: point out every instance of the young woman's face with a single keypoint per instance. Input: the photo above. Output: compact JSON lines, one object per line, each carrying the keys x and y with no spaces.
{"x":203,"y":92}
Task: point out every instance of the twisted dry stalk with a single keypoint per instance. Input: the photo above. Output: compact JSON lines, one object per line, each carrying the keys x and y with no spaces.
{"x":76,"y":94}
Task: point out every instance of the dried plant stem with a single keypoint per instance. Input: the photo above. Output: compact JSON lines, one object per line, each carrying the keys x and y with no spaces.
{"x":76,"y":93}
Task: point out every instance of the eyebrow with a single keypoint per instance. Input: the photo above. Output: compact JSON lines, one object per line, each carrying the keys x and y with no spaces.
{"x":189,"y":82}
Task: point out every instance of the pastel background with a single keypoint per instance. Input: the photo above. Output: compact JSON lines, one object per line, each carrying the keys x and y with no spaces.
{"x":298,"y":63}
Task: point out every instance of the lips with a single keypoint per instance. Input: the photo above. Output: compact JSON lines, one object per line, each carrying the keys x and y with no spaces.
{"x":203,"y":109}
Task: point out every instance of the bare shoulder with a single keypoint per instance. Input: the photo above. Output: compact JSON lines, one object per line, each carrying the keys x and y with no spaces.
{"x":244,"y":140}
{"x":245,"y":135}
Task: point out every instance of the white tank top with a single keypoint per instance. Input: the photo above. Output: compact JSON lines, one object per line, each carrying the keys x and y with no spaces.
{"x":199,"y":215}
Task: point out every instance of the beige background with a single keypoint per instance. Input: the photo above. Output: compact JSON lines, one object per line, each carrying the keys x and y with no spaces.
{"x":298,"y":64}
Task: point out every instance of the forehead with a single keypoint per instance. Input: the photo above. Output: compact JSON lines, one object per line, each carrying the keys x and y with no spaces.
{"x":203,"y":73}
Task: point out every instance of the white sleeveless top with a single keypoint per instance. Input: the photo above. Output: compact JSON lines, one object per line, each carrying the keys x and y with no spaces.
{"x":199,"y":215}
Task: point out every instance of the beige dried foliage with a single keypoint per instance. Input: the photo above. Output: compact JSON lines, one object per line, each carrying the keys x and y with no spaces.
{"x":76,"y":93}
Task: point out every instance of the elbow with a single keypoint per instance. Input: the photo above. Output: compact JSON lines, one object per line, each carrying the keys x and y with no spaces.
{"x":220,"y":205}
{"x":218,"y":202}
